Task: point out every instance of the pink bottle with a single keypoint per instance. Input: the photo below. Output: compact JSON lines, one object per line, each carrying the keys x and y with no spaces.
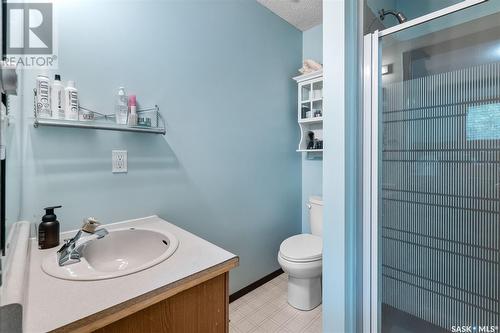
{"x":132,"y":116}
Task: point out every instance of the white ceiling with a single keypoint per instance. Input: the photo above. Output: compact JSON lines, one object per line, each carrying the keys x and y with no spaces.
{"x":303,"y":14}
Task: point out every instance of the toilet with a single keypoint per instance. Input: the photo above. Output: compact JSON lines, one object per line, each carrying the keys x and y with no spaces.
{"x":300,"y":256}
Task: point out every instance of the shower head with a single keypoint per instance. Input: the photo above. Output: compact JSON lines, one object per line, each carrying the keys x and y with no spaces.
{"x":399,"y":15}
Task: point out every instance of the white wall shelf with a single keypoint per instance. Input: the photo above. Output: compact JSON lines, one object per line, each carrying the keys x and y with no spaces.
{"x":309,"y":76}
{"x":310,"y":111}
{"x":311,"y":120}
{"x":310,"y":150}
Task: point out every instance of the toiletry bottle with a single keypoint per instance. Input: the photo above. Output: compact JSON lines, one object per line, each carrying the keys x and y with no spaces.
{"x":57,"y":98}
{"x":71,"y":101}
{"x":121,"y":107}
{"x":132,"y":117}
{"x":43,"y":96}
{"x":48,"y":230}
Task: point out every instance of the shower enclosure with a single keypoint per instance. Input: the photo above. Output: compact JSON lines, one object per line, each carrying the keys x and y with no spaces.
{"x":432,"y":173}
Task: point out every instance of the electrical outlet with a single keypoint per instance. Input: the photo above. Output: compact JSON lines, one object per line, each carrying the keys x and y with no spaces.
{"x":119,"y":159}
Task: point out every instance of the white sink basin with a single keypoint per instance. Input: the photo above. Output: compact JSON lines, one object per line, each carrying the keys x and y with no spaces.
{"x":121,"y":252}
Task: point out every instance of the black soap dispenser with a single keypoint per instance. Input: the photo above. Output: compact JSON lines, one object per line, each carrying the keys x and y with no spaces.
{"x":48,"y":230}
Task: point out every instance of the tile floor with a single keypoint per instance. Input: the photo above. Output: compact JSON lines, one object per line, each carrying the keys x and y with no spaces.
{"x":266,"y":310}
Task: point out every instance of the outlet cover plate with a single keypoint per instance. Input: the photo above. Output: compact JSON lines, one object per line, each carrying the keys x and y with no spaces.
{"x":119,"y":161}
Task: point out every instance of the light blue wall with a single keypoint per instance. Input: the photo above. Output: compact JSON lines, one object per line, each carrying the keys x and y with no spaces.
{"x":448,"y":21}
{"x":227,"y":169}
{"x":312,"y":169}
{"x":376,"y":5}
{"x":410,"y":8}
{"x":312,"y":43}
{"x":413,"y":9}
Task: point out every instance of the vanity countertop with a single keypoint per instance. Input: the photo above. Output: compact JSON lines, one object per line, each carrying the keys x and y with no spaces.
{"x":69,"y":306}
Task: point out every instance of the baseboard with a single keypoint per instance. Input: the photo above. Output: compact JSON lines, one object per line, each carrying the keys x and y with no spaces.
{"x":234,"y":296}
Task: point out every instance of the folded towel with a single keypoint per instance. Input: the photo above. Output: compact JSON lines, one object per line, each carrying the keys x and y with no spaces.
{"x":310,"y":66}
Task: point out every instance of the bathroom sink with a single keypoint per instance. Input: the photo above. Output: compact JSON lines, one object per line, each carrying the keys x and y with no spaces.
{"x":121,"y":252}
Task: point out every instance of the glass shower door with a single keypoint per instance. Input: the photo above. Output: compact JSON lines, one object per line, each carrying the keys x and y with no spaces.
{"x":438,"y":230}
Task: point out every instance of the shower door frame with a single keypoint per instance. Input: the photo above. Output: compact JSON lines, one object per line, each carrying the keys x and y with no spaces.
{"x":371,"y":80}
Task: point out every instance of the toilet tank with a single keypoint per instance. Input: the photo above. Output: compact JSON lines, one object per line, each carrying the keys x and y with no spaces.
{"x":316,"y":215}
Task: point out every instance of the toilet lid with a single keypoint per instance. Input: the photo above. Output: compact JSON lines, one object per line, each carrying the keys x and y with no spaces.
{"x":304,"y":247}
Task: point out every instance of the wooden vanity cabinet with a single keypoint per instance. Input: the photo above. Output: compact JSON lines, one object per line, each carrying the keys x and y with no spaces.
{"x":195,"y":304}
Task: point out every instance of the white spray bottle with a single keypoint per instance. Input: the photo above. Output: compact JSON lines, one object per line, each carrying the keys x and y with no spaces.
{"x":71,"y":101}
{"x":43,"y":95}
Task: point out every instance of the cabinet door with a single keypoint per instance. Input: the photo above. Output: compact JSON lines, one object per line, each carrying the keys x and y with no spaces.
{"x":317,"y":90}
{"x":317,"y":98}
{"x":305,"y":92}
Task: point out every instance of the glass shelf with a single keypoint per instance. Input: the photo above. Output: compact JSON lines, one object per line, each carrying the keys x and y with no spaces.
{"x":101,"y":125}
{"x":102,"y":121}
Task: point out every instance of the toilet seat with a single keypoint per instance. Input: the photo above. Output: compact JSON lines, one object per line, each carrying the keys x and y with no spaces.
{"x":302,"y":248}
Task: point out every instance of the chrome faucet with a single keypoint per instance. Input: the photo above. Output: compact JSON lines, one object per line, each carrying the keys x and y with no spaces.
{"x":71,"y":251}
